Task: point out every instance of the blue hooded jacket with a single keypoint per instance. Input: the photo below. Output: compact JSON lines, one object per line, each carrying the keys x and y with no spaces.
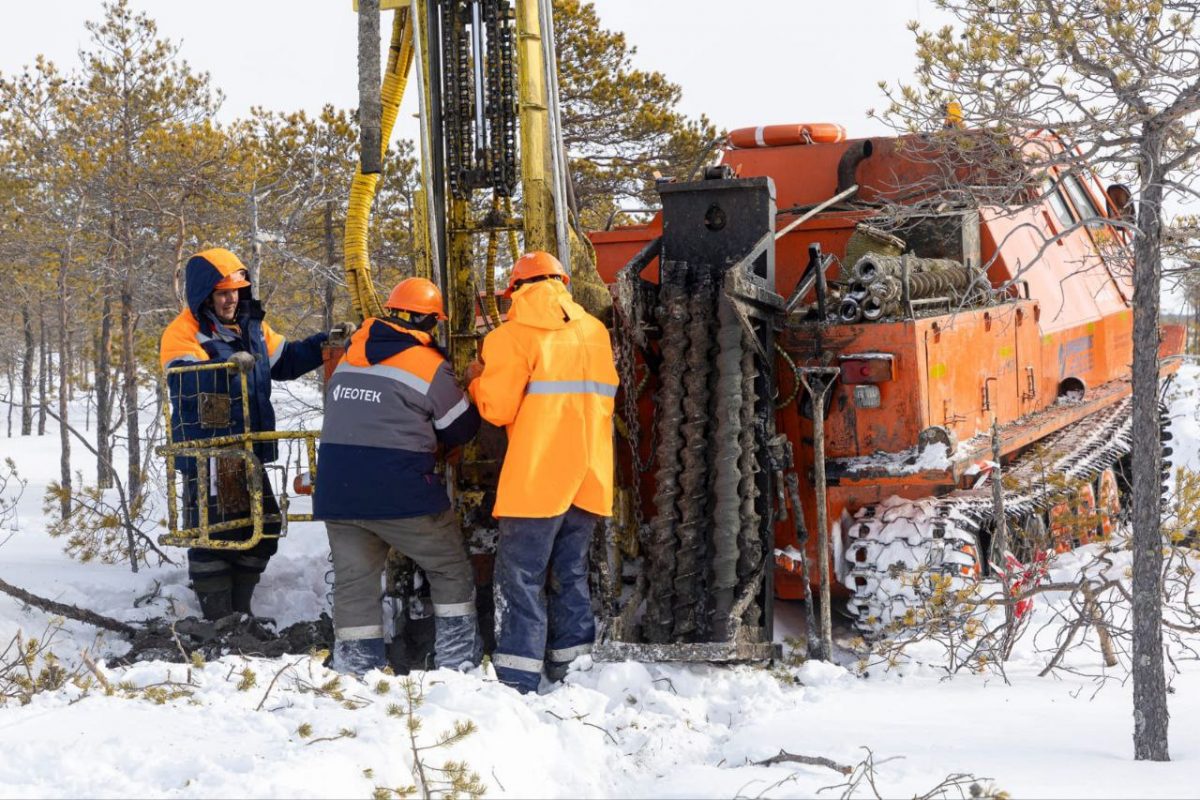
{"x":196,"y":336}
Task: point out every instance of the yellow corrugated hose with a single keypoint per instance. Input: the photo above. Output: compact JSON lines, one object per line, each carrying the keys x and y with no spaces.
{"x":362,"y":189}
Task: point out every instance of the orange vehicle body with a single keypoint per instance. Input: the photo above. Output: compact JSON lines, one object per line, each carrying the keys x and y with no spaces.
{"x":1065,"y":327}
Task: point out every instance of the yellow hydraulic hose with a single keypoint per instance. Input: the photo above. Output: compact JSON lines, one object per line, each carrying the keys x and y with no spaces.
{"x":363,"y":187}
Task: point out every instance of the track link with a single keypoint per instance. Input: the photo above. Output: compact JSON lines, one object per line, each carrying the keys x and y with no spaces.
{"x":899,"y":548}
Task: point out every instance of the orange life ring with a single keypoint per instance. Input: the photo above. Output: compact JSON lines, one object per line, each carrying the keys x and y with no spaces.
{"x":785,"y":135}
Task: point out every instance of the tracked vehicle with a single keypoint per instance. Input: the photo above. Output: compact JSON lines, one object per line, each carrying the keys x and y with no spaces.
{"x":824,"y":345}
{"x":935,"y":334}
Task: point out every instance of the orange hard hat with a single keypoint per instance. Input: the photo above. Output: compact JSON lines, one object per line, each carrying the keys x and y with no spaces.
{"x":534,"y":264}
{"x":417,"y":294}
{"x":235,"y":280}
{"x":233,"y":271}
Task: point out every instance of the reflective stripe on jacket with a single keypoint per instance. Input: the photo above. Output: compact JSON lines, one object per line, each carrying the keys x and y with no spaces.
{"x":549,"y":377}
{"x":389,"y":403}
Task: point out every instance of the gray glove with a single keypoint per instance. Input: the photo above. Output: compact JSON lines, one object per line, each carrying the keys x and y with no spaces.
{"x":341,"y":332}
{"x":243,"y":360}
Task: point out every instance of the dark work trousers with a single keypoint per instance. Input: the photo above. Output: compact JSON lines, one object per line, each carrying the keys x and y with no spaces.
{"x":543,"y":608}
{"x":435,"y":543}
{"x":217,"y":570}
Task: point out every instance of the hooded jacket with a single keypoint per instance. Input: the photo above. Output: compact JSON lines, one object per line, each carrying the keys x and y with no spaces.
{"x":196,"y":336}
{"x":550,"y":379}
{"x":390,"y":402}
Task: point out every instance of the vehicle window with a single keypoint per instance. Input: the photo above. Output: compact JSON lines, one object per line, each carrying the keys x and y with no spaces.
{"x":1084,"y":204}
{"x":1061,"y":210}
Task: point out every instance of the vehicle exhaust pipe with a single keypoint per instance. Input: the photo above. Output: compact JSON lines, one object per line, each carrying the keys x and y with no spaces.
{"x":847,"y":166}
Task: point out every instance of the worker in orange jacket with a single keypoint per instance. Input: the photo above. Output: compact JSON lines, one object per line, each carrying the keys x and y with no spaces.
{"x":546,"y":375}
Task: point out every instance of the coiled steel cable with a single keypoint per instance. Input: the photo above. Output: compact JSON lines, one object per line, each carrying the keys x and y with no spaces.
{"x":787,"y":359}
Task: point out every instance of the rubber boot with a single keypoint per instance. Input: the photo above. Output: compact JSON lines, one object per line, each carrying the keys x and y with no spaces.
{"x":243,"y":590}
{"x":358,"y":656}
{"x":556,"y":671}
{"x":215,"y":605}
{"x":458,"y":644}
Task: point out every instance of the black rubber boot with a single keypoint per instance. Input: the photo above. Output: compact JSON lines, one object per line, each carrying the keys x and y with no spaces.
{"x":215,"y":605}
{"x":243,"y":590}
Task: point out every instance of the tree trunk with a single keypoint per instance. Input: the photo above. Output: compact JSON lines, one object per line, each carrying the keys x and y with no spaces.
{"x":180,"y":264}
{"x":330,"y":262}
{"x":8,"y":372}
{"x":370,"y":150}
{"x":104,"y":475}
{"x":1194,"y":328}
{"x":27,"y":373}
{"x":42,"y":372}
{"x":255,"y":248}
{"x":64,"y":366}
{"x":71,"y":375}
{"x":129,"y":370}
{"x":1149,"y":681}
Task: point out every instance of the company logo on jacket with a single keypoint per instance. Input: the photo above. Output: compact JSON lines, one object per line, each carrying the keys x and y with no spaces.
{"x":378,"y":451}
{"x":353,"y":393}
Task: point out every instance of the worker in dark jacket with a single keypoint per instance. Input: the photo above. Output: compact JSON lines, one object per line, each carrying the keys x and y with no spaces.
{"x":390,"y":403}
{"x":223,"y":322}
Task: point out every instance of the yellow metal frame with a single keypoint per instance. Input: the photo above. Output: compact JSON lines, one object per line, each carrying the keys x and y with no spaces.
{"x":536,"y":223}
{"x":240,"y":445}
{"x":363,"y":187}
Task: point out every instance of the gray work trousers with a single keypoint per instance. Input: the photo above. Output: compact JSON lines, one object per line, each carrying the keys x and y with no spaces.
{"x":435,"y":543}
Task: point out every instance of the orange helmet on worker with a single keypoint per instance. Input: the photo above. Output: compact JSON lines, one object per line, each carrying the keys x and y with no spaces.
{"x":417,"y":296}
{"x":536,"y":265}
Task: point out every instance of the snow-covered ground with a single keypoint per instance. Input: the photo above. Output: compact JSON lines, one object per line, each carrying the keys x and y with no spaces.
{"x":277,"y":727}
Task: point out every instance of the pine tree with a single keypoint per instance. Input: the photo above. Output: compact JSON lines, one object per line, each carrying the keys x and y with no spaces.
{"x":1119,"y":82}
{"x":619,"y":122}
{"x":134,"y":88}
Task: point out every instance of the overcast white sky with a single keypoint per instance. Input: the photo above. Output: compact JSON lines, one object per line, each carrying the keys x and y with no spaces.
{"x":743,"y":63}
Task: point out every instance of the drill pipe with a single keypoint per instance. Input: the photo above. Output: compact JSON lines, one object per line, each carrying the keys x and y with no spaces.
{"x":873,"y":307}
{"x":693,"y":478}
{"x":887,"y":289}
{"x":874,"y":266}
{"x":662,"y":545}
{"x":929,"y":277}
{"x":750,"y":545}
{"x":850,"y":311}
{"x":727,"y":477}
{"x":950,"y":281}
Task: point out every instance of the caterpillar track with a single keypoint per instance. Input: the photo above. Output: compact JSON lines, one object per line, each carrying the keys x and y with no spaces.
{"x":897,"y":547}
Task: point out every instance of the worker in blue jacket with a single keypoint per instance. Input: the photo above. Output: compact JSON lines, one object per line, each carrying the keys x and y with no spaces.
{"x":224,"y":322}
{"x":390,"y":405}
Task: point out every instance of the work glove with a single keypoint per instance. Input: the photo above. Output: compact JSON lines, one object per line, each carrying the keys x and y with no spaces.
{"x":244,"y":361}
{"x":474,"y":370}
{"x":341,"y":332}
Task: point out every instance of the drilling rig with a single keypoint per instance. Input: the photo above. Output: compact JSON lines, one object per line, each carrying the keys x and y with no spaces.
{"x":820,"y":369}
{"x":493,"y":169}
{"x":922,"y":346}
